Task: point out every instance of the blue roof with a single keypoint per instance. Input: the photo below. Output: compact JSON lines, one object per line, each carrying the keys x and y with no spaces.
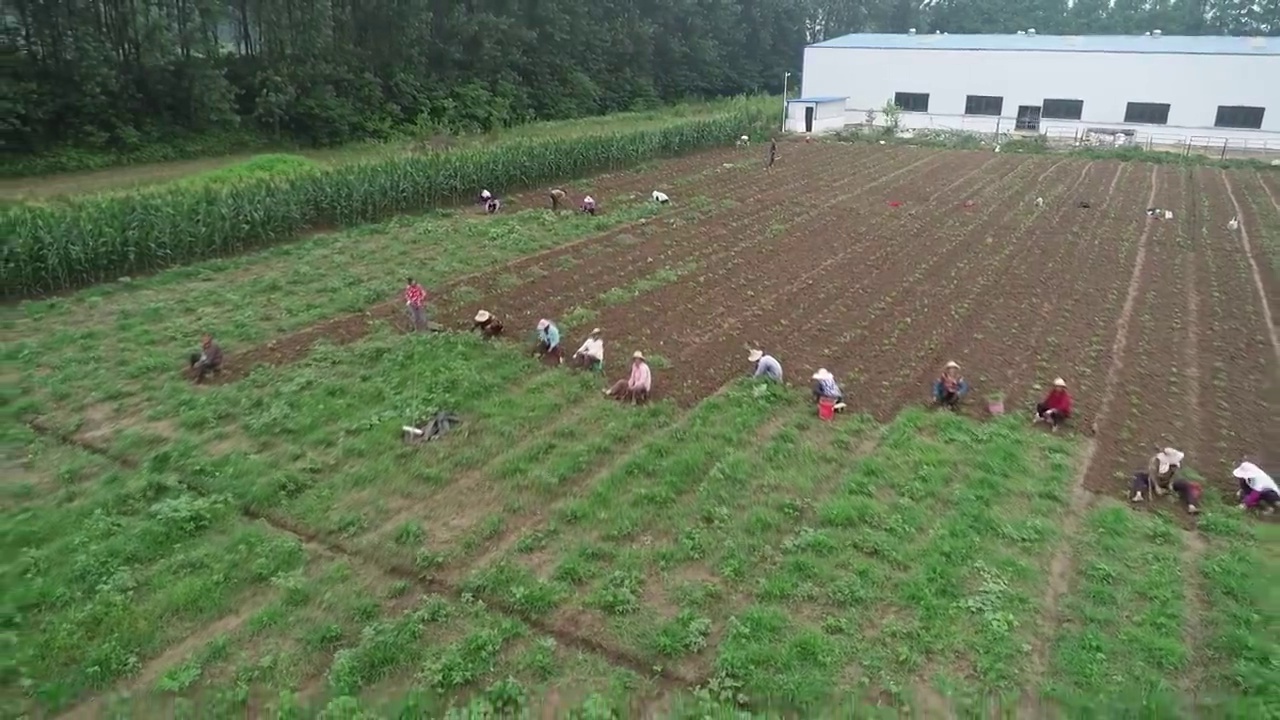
{"x":823,"y":99}
{"x":1168,"y":44}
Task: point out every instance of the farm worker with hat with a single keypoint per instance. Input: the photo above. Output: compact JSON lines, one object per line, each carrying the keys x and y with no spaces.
{"x":1158,"y":476}
{"x":950,"y":386}
{"x":1056,"y":406}
{"x":767,"y":366}
{"x":488,"y":325}
{"x":591,"y":355}
{"x":1256,"y":487}
{"x":660,"y":197}
{"x":208,"y":360}
{"x":824,"y":386}
{"x":492,"y":205}
{"x":589,"y":205}
{"x":637,"y":385}
{"x":548,"y":341}
{"x":557,"y":197}
{"x":414,"y":300}
{"x":485,"y":196}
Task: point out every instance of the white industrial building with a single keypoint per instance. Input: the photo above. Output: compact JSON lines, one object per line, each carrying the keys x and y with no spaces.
{"x":1203,"y":89}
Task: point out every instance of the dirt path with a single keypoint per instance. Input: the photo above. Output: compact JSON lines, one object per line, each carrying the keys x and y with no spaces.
{"x":1253,"y":268}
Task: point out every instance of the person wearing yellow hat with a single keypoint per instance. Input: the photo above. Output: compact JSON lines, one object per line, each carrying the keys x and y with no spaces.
{"x":487,"y":325}
{"x":824,"y":386}
{"x":637,"y":386}
{"x":950,"y":388}
{"x":591,"y":355}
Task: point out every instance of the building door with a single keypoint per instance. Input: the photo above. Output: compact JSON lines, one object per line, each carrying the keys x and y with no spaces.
{"x":808,"y":118}
{"x":1028,"y":118}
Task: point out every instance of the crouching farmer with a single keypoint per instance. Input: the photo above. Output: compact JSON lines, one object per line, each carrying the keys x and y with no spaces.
{"x":591,"y":355}
{"x":636,"y":386}
{"x":208,"y":360}
{"x":824,"y":386}
{"x":548,"y":347}
{"x":1055,"y":409}
{"x":1256,"y":488}
{"x":1158,"y":477}
{"x":950,"y":388}
{"x":487,"y":325}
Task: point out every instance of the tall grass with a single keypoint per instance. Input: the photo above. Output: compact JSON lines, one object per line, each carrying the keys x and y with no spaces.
{"x":55,"y":247}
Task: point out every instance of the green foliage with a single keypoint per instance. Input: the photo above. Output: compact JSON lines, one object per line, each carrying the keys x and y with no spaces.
{"x":96,"y":239}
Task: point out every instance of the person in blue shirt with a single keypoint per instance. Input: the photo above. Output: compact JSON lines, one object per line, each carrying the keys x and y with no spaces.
{"x":767,"y":366}
{"x":950,"y":387}
{"x":548,"y":347}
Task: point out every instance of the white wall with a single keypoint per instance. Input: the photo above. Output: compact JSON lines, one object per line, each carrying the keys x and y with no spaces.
{"x":827,"y":117}
{"x":1193,"y":85}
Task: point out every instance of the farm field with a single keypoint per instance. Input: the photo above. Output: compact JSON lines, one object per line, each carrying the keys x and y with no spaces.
{"x":267,"y":545}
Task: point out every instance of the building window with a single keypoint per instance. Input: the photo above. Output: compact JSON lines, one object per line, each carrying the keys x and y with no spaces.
{"x":1239,"y":116}
{"x":912,"y":102}
{"x":983,"y":105}
{"x":1062,"y":109}
{"x":1147,"y":113}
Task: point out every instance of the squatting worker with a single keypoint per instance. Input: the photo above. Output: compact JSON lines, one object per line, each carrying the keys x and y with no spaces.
{"x":591,"y":355}
{"x":1158,"y":477}
{"x":637,"y":385}
{"x":548,"y":341}
{"x":488,"y":325}
{"x":208,"y":360}
{"x":415,"y":298}
{"x":589,"y":205}
{"x":766,"y":366}
{"x":557,"y":197}
{"x":1055,"y":409}
{"x":1256,"y":487}
{"x":950,"y":387}
{"x":824,"y":386}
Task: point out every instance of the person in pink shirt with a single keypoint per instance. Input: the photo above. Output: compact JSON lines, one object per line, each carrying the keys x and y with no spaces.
{"x":635,"y":387}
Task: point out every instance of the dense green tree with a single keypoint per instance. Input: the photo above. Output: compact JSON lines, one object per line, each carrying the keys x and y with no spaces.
{"x":119,"y":73}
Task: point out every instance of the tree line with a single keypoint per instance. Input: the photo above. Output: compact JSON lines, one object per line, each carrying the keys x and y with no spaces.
{"x":116,"y":74}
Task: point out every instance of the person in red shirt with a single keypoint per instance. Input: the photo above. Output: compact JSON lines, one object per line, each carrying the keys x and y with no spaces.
{"x":415,"y":299}
{"x":1056,"y":406}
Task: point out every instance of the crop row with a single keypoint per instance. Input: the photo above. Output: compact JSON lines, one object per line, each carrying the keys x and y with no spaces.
{"x":53,"y":247}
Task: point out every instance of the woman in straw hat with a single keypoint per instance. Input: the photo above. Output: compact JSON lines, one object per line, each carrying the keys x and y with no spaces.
{"x":950,"y":387}
{"x":591,"y":355}
{"x":1158,"y":476}
{"x":766,"y":366}
{"x":824,"y":386}
{"x":1056,"y":406}
{"x":637,"y":385}
{"x":488,"y":325}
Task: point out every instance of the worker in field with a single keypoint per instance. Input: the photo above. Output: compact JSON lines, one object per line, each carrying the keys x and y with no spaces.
{"x":557,"y":198}
{"x":660,"y":197}
{"x":765,"y":366}
{"x":415,"y":301}
{"x":548,"y":347}
{"x":492,"y":205}
{"x":1158,"y":477}
{"x":950,"y":387}
{"x":208,"y":360}
{"x":487,"y":325}
{"x":824,"y":386}
{"x":1256,"y":488}
{"x":636,"y":386}
{"x":1055,"y":409}
{"x":591,"y":355}
{"x":773,"y":152}
{"x":589,"y":205}
{"x":485,"y":196}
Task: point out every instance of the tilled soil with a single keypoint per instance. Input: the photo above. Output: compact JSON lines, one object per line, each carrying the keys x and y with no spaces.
{"x":881,"y":263}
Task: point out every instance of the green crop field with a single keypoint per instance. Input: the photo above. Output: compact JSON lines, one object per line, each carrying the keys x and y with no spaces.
{"x":269,"y":547}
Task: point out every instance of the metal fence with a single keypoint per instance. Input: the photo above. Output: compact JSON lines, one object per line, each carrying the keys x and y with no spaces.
{"x":1208,"y":145}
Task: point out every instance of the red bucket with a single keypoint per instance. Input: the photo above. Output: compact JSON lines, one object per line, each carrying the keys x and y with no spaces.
{"x":826,"y":408}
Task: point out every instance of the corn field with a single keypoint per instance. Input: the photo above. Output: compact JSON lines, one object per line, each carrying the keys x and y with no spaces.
{"x":48,"y":248}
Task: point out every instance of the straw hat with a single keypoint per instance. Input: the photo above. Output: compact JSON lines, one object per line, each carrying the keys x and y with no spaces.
{"x":543,"y":324}
{"x":754,"y":355}
{"x":595,"y":331}
{"x":1059,"y":382}
{"x":951,"y":365}
{"x":482,"y":316}
{"x":1167,"y":457}
{"x":637,"y":355}
{"x":822,"y":374}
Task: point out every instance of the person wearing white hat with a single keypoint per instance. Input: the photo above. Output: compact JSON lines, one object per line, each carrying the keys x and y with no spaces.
{"x":1158,"y":476}
{"x":591,"y":355}
{"x":1055,"y":409}
{"x":548,"y":342}
{"x":589,"y":205}
{"x":488,"y":325}
{"x":660,"y":197}
{"x":1256,"y":487}
{"x":824,"y":386}
{"x":766,"y":366}
{"x":950,"y":387}
{"x":636,"y":386}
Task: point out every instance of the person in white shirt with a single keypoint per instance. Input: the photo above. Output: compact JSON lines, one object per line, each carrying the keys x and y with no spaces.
{"x":589,"y":205}
{"x":1256,"y":487}
{"x":591,"y":355}
{"x":660,"y":197}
